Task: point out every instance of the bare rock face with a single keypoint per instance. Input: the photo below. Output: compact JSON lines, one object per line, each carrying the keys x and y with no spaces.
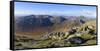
{"x":72,"y":31}
{"x":54,"y":35}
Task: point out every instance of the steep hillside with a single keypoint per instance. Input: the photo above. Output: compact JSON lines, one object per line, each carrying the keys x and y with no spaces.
{"x":38,"y":25}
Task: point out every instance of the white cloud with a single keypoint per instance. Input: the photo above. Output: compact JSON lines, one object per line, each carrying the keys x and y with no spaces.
{"x":88,"y":13}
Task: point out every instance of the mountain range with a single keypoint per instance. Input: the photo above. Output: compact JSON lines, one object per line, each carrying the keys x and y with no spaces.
{"x":41,"y":24}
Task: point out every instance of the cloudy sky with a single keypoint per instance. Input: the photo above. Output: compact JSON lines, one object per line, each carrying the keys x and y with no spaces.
{"x":26,"y":8}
